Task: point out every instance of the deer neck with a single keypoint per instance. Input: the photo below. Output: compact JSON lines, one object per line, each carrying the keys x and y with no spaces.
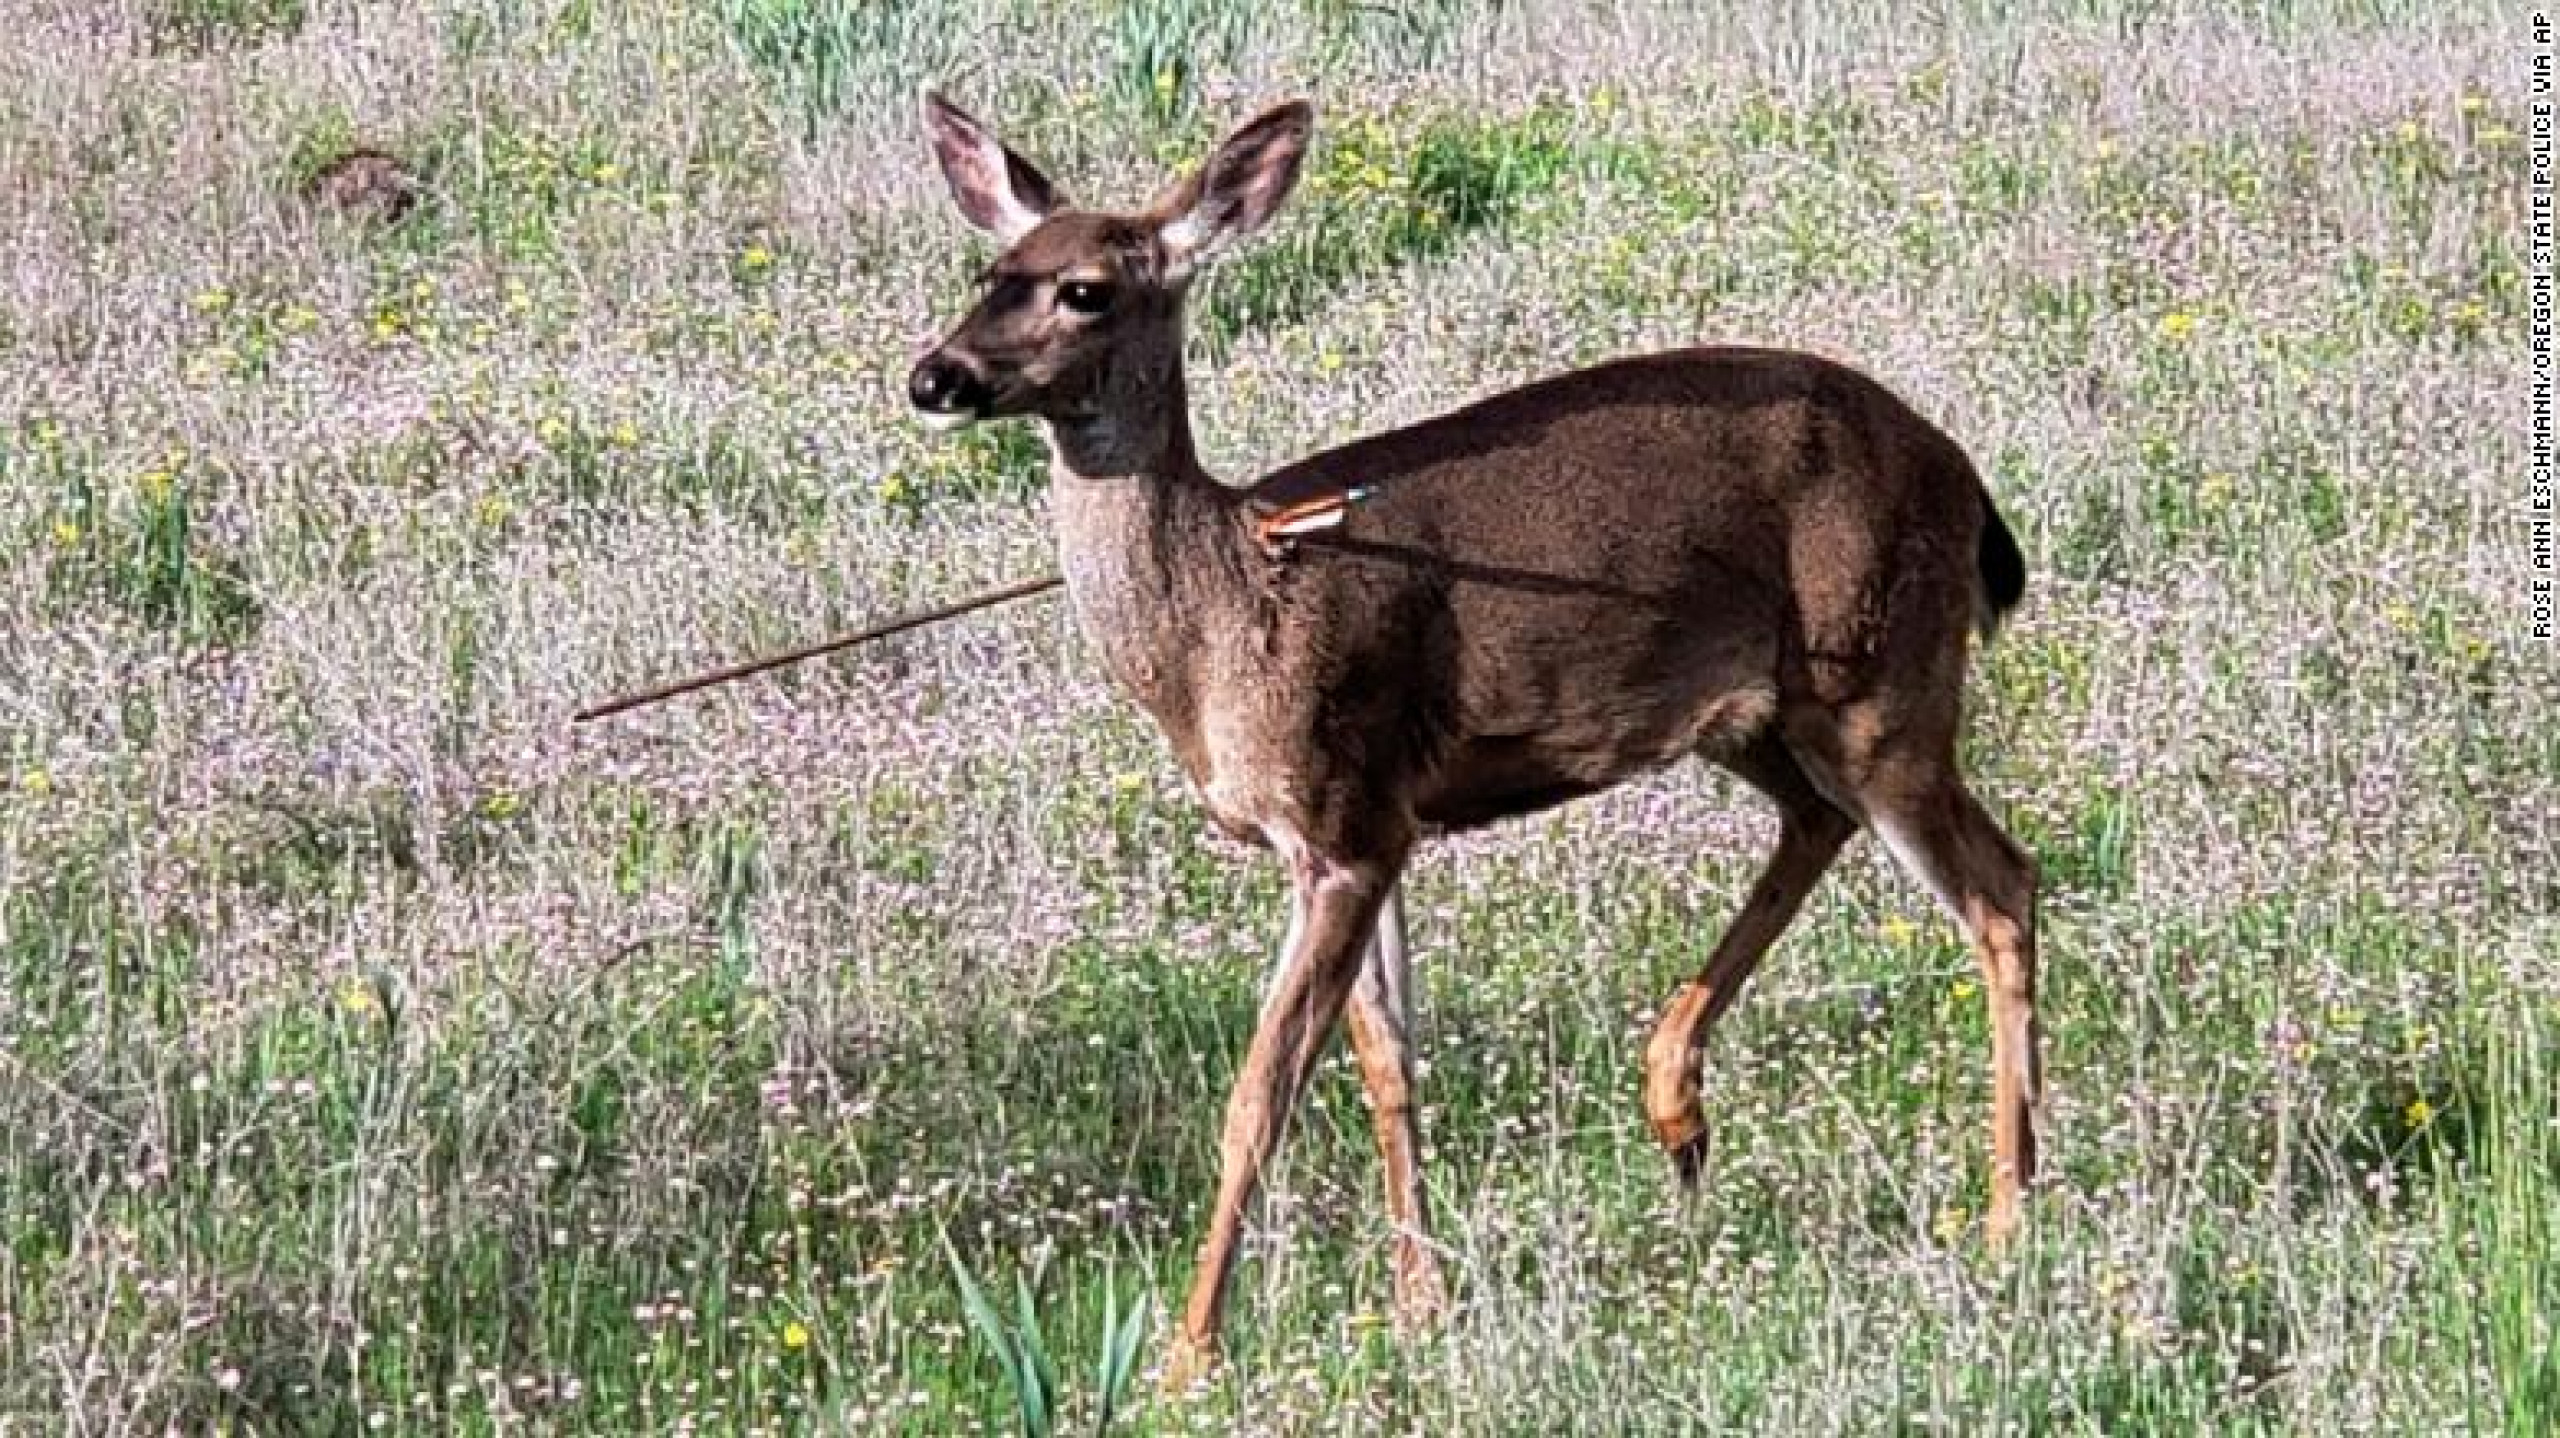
{"x":1153,"y":549}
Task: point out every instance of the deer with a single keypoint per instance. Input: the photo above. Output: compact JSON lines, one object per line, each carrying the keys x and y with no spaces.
{"x":1757,"y":557}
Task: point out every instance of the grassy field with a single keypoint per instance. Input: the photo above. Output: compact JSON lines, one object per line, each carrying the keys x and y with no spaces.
{"x":378,"y":1053}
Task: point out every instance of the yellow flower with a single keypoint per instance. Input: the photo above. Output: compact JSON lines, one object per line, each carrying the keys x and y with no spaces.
{"x":1962,"y":989}
{"x":795,"y":1335}
{"x":626,"y":435}
{"x":2474,"y":104}
{"x":893,"y":488}
{"x":755,"y":257}
{"x":2177,"y":325}
{"x":501,"y":804}
{"x":355,"y":996}
{"x":606,"y":173}
{"x":2215,"y":490}
{"x":1329,"y":360}
{"x":1898,"y":930}
{"x":388,"y":323}
{"x":2493,"y":136}
{"x":36,"y":782}
{"x":2401,"y":617}
{"x":2419,"y":1113}
{"x":156,"y":485}
{"x":1951,"y":1223}
{"x":2408,"y":132}
{"x":66,"y":535}
{"x":492,"y":510}
{"x":213,"y":301}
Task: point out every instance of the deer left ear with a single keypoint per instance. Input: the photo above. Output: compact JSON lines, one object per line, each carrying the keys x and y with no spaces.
{"x":1238,"y":191}
{"x":999,"y":191}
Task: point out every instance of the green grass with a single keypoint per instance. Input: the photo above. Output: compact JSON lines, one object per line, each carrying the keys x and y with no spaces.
{"x":1388,"y":194}
{"x":198,"y":26}
{"x":379,"y":1054}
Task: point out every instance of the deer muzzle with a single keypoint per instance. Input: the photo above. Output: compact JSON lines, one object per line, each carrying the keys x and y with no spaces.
{"x":948,"y":392}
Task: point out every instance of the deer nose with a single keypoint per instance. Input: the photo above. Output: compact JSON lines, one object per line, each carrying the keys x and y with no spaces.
{"x":941,"y":384}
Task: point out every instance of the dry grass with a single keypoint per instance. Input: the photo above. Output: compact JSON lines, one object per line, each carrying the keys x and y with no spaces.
{"x":376,"y":1052}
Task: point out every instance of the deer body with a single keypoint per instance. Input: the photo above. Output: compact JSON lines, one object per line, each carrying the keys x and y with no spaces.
{"x":1758,"y":557}
{"x":1564,"y":652}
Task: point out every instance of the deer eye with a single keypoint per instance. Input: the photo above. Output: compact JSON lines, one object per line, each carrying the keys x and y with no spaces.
{"x":1085,"y":297}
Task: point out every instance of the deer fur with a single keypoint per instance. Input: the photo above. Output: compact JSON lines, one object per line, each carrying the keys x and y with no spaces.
{"x":1758,"y":557}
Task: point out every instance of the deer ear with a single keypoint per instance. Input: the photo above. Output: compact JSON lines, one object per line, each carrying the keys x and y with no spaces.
{"x":1240,"y":188}
{"x":1000,"y":192}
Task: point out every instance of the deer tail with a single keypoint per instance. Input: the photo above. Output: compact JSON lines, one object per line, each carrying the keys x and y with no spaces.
{"x":2003,"y":568}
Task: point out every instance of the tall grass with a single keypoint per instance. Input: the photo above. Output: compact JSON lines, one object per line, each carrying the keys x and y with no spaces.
{"x":379,"y":1053}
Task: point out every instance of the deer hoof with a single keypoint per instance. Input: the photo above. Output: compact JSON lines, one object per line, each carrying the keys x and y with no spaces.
{"x":1422,"y":1296}
{"x":1685,"y":1139}
{"x":1689,"y":1160}
{"x":1188,"y":1364}
{"x":2000,"y":1230}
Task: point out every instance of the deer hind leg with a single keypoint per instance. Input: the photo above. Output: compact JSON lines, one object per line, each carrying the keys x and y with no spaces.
{"x":1939,"y":833}
{"x":1811,"y":831}
{"x":1381,"y":1020}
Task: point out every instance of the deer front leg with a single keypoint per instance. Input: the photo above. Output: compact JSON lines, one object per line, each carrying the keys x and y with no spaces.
{"x":1381,"y":1016}
{"x":1337,"y":904}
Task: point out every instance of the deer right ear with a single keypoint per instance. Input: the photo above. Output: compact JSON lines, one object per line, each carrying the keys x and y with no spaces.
{"x":1000,"y":192}
{"x":1239,"y":190}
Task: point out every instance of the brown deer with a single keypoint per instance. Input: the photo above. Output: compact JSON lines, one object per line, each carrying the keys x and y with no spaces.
{"x":1758,"y":557}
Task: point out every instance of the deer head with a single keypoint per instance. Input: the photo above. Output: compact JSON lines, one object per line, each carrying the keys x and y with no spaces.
{"x":1079,"y":321}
